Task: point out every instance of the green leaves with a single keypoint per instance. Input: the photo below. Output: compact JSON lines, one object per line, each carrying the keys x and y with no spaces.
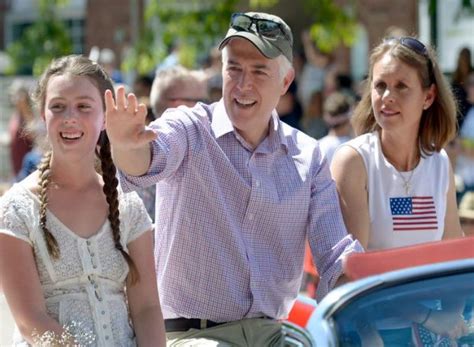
{"x":333,"y":25}
{"x":194,"y":25}
{"x":41,"y":42}
{"x":262,"y":3}
{"x":198,"y":25}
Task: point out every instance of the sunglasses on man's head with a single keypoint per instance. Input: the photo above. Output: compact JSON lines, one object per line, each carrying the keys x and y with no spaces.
{"x":416,"y":46}
{"x":265,"y":27}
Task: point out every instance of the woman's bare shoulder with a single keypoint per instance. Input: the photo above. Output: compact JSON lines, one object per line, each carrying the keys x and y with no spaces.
{"x":348,"y":160}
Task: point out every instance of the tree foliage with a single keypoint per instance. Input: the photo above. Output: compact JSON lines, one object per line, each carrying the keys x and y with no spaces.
{"x":262,"y":3}
{"x":197,"y":25}
{"x":45,"y":39}
{"x":194,"y":25}
{"x":333,"y":25}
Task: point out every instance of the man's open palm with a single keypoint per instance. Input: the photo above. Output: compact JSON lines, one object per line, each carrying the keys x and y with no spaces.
{"x":125,"y":121}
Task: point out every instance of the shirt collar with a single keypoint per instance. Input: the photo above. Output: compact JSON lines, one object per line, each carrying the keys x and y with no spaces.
{"x":276,"y":138}
{"x":221,"y":125}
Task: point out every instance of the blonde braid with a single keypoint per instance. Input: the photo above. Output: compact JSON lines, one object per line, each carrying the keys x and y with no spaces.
{"x":45,"y":172}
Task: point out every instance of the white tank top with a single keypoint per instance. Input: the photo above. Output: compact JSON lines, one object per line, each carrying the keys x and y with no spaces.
{"x":398,"y":218}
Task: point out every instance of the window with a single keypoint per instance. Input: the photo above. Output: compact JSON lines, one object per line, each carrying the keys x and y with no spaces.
{"x":387,"y":313}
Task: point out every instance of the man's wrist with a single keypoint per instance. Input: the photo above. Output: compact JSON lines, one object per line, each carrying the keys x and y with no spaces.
{"x":134,"y":162}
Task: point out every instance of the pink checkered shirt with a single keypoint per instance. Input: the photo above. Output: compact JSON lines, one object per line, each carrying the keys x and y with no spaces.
{"x":231,"y":223}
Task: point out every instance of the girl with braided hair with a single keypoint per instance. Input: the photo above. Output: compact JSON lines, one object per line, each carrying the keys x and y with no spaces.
{"x":75,"y":251}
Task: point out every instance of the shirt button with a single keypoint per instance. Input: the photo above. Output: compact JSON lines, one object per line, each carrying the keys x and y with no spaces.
{"x":88,"y":242}
{"x":107,"y":337}
{"x":103,"y":312}
{"x":257,"y":183}
{"x":104,"y":326}
{"x":251,"y":216}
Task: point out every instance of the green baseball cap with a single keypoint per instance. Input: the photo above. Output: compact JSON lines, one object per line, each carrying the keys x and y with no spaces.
{"x":269,"y":33}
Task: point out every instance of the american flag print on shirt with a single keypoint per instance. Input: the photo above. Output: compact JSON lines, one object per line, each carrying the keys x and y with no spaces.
{"x":417,"y":213}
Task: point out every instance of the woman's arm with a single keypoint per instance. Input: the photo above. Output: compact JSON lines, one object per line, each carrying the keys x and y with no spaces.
{"x":348,"y":170}
{"x":22,"y":288}
{"x":452,"y":226}
{"x":143,"y":298}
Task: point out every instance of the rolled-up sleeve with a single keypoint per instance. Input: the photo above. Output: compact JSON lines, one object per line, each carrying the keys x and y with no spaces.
{"x":327,"y":234}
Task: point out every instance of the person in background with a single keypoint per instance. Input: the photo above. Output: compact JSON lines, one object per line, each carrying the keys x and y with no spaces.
{"x":213,"y":74}
{"x":311,"y":84}
{"x":465,"y":158}
{"x":213,"y":62}
{"x":289,"y":108}
{"x":172,"y":59}
{"x":395,"y":182}
{"x":214,"y":88}
{"x":37,"y":132}
{"x":142,"y":89}
{"x":466,"y":213}
{"x":142,"y":86}
{"x":238,"y":193}
{"x":172,"y":87}
{"x":313,"y":71}
{"x":337,"y":111}
{"x":313,"y":123}
{"x":76,"y":261}
{"x":459,"y":82}
{"x":108,"y":60}
{"x":20,"y":142}
{"x":176,"y":86}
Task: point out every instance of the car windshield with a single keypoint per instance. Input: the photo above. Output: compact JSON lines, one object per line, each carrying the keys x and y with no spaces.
{"x":406,"y":314}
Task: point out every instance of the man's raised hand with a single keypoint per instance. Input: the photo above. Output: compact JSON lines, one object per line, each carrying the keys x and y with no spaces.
{"x":125,"y":121}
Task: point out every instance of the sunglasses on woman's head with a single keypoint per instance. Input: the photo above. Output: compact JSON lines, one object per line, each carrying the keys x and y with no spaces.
{"x":411,"y":43}
{"x":265,"y":27}
{"x":416,"y":46}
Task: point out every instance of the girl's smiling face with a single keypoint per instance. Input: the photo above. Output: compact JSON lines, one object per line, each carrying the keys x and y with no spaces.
{"x":74,"y":114}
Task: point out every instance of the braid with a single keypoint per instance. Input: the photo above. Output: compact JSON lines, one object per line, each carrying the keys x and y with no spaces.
{"x":111,"y":194}
{"x":76,"y":65}
{"x":44,"y":170}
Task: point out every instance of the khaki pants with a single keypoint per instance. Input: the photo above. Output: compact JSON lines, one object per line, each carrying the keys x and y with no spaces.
{"x":252,"y":332}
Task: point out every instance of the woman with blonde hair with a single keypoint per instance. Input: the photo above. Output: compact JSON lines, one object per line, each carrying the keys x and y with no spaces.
{"x":75,"y":251}
{"x":395,"y":182}
{"x":406,"y":116}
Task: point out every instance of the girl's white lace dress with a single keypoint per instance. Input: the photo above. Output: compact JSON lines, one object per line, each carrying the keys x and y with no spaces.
{"x":84,"y":289}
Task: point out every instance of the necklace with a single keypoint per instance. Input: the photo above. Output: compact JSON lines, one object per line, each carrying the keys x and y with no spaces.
{"x":406,"y":182}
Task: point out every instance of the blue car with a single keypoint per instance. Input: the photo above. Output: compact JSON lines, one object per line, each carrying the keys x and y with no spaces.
{"x":429,"y":304}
